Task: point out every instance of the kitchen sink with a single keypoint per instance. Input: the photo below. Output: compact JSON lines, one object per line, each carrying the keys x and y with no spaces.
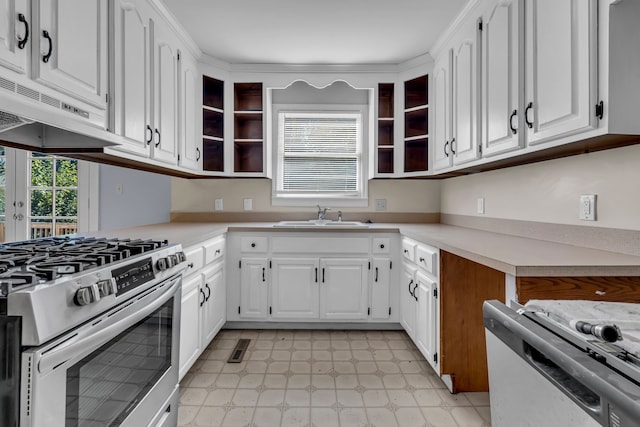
{"x":321,"y":223}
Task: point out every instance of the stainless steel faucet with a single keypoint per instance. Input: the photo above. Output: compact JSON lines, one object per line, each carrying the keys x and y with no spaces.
{"x":322,"y":212}
{"x":339,"y":216}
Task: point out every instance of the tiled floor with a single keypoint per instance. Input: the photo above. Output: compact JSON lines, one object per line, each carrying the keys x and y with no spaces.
{"x":322,"y":378}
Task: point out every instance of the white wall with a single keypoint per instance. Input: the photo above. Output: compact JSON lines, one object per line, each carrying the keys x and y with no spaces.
{"x":549,"y":191}
{"x":198,"y":195}
{"x":145,"y":198}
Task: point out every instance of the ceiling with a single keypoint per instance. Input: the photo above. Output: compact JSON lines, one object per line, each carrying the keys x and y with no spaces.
{"x":315,"y":31}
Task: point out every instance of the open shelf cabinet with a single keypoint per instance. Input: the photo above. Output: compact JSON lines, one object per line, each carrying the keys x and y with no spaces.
{"x":416,"y":124}
{"x":385,"y":148}
{"x":248,"y":142}
{"x":212,"y":124}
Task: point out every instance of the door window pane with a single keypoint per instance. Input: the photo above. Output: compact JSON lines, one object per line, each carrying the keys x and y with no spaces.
{"x":54,"y":195}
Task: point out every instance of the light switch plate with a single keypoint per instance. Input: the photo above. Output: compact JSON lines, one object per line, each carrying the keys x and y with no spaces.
{"x":587,"y":207}
{"x":247,"y":204}
{"x":218,"y":205}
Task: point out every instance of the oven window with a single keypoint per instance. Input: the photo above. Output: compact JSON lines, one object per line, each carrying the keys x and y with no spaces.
{"x":104,"y":387}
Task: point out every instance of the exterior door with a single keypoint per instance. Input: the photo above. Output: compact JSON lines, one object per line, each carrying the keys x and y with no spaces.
{"x":561,"y":68}
{"x":295,"y":293}
{"x":253,"y":288}
{"x":343,"y":288}
{"x":15,"y":22}
{"x":42,"y":195}
{"x":72,"y":55}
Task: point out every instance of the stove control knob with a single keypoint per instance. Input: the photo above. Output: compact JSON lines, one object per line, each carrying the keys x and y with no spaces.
{"x":181,"y":256}
{"x":161,"y":264}
{"x":107,"y":287}
{"x":87,"y":295}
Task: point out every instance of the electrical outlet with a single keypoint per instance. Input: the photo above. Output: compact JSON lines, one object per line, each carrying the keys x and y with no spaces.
{"x":381,"y":204}
{"x":247,"y":204}
{"x":218,"y":205}
{"x":480,"y":207}
{"x":587,"y":207}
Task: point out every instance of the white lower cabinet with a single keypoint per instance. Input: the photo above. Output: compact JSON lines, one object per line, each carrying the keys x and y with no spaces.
{"x":295,"y":290}
{"x":190,"y":347}
{"x":204,"y":295}
{"x":213,"y":305}
{"x":408,"y":300}
{"x":380,"y":289}
{"x":311,"y":277}
{"x":253,"y":288}
{"x":426,"y":331}
{"x":343,"y":288}
{"x":419,"y":302}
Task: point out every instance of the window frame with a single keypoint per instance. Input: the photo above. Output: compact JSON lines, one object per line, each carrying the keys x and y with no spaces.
{"x":336,"y":199}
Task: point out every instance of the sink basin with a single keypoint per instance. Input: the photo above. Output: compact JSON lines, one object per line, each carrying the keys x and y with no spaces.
{"x":317,"y":223}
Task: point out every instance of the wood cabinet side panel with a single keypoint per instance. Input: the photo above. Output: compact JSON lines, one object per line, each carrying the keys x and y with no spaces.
{"x":464,"y":286}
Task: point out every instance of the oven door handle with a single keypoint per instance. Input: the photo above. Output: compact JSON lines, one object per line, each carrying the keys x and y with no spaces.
{"x":88,"y":340}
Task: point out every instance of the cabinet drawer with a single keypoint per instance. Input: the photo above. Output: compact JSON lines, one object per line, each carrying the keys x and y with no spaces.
{"x":213,"y":250}
{"x":380,"y":245}
{"x":254,"y":244}
{"x":427,"y":258}
{"x":195,"y":259}
{"x":320,"y":245}
{"x":409,"y":249}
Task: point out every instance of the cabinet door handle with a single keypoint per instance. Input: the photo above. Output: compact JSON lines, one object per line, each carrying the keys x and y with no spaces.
{"x":513,"y":129}
{"x":197,"y":154}
{"x":316,"y":274}
{"x":421,"y":259}
{"x":526,"y":115}
{"x":453,"y":141}
{"x":414,"y":291}
{"x":150,"y":137}
{"x":322,"y":274}
{"x":47,"y":55}
{"x":23,"y":42}
{"x":204,"y":298}
{"x":410,"y":283}
{"x":190,"y":265}
{"x":158,"y":133}
{"x":446,"y":145}
{"x":208,"y":293}
{"x":376,"y":279}
{"x":263,"y":272}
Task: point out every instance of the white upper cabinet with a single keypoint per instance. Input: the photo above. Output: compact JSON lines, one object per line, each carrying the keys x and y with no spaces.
{"x":71,"y":53}
{"x":502,"y":62}
{"x":131,"y":76}
{"x":190,"y":117}
{"x":442,"y":113}
{"x":15,"y":34}
{"x":464,"y":142}
{"x":165,"y":97}
{"x":560,"y":68}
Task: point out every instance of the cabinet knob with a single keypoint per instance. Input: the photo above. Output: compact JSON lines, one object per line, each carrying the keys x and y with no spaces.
{"x":253,"y":245}
{"x":381,"y":245}
{"x":190,"y":265}
{"x":421,"y":259}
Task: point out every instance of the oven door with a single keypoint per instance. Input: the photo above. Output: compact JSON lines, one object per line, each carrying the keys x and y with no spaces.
{"x":120,"y":369}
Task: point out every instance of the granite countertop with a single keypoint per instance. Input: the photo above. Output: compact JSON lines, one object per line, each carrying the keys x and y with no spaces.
{"x":513,"y":255}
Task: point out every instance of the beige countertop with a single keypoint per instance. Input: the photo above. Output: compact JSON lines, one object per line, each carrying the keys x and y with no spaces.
{"x":513,"y":255}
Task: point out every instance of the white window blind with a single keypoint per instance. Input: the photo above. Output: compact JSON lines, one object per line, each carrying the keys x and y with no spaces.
{"x":320,"y":153}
